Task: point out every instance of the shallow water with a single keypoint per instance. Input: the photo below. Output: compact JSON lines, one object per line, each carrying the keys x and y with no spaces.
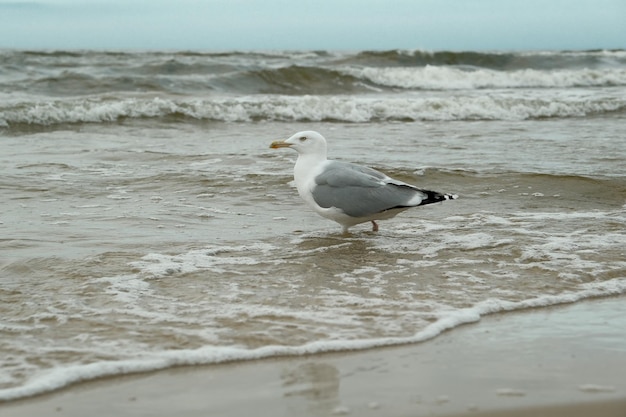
{"x":150,"y":242}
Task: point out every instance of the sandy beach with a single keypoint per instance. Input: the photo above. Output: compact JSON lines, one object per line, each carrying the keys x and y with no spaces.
{"x":558,"y":361}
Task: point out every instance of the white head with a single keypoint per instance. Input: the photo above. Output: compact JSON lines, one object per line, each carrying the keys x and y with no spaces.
{"x":305,"y":143}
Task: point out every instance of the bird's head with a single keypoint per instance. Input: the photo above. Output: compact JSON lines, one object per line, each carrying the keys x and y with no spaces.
{"x":305,"y":143}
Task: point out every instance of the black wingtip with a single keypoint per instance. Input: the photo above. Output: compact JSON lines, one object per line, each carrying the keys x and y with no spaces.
{"x":435,"y":197}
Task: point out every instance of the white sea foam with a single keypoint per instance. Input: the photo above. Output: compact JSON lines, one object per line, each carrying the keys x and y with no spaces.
{"x":595,"y":388}
{"x":159,"y":265}
{"x":455,"y":78}
{"x":510,"y":392}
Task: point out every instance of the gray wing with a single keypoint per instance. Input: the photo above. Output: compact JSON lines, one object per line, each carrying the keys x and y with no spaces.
{"x":361,"y":191}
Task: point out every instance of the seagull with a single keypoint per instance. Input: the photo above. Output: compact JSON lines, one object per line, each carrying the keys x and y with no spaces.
{"x":347,"y":193}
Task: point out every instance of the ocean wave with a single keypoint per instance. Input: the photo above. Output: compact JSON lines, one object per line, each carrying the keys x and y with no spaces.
{"x":423,"y":278}
{"x":355,"y":109}
{"x":500,"y":60}
{"x":296,"y":73}
{"x":492,"y":60}
{"x":209,"y":355}
{"x":296,"y":79}
{"x":194,"y":78}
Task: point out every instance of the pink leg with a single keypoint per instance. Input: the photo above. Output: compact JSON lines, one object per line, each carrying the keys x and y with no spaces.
{"x":374,"y":226}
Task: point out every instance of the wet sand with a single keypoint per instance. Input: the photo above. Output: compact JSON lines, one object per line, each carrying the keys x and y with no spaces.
{"x":559,"y":361}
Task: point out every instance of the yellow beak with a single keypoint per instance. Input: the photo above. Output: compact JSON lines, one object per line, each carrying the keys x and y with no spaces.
{"x":279,"y":144}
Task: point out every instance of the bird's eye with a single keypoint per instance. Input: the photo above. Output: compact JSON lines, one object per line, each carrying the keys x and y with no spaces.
{"x":303,"y":139}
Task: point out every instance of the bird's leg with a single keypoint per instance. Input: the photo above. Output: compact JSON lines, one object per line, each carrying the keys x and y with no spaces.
{"x":374,"y":226}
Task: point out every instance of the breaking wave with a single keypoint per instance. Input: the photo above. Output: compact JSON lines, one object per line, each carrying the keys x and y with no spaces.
{"x":356,"y":109}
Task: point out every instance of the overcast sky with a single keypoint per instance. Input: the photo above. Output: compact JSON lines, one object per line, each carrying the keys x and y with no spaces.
{"x":321,"y":24}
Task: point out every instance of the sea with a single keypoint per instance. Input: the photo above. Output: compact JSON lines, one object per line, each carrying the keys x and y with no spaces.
{"x":146,"y":224}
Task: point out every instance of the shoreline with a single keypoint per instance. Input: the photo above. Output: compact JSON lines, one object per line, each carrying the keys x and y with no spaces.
{"x":562,"y":360}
